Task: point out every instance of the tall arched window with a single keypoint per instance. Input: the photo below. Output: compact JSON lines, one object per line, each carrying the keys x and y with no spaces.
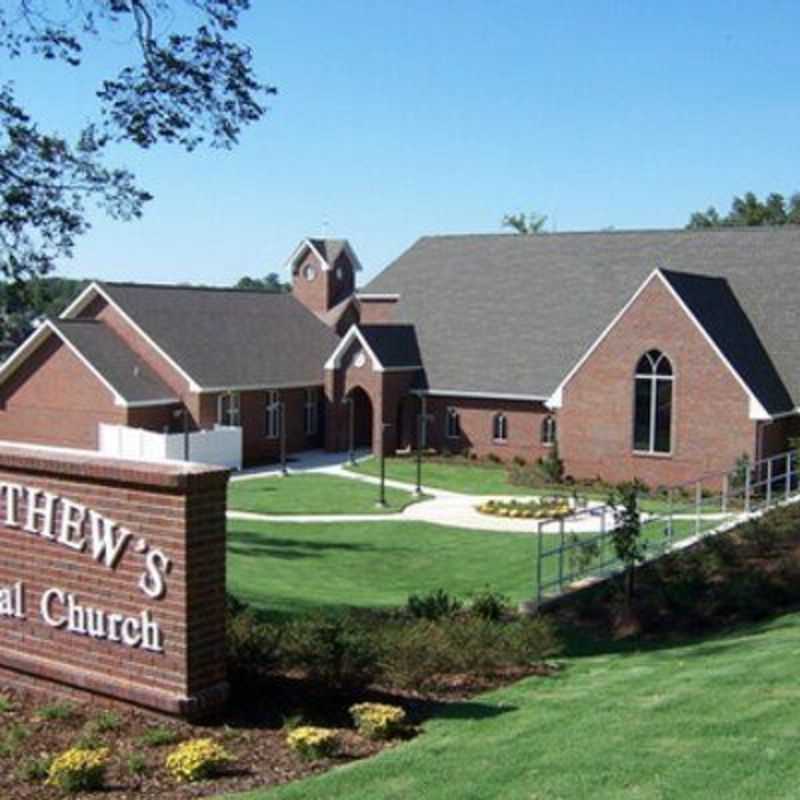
{"x":548,"y":433}
{"x":499,"y":428}
{"x":652,"y":416}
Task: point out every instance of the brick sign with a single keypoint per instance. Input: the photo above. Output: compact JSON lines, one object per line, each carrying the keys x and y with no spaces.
{"x":112,"y":579}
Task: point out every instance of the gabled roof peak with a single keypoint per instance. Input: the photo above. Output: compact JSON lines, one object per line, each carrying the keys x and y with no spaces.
{"x":327,"y":250}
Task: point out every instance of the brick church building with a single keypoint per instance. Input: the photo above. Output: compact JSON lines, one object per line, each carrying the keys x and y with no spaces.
{"x":663,"y":355}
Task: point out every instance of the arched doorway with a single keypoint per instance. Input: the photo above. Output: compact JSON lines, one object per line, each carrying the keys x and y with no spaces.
{"x":362,"y":417}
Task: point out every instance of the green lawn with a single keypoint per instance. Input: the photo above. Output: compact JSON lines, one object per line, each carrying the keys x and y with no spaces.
{"x":686,"y":722}
{"x":459,"y":477}
{"x":285,"y":568}
{"x":492,"y":479}
{"x":312,"y":494}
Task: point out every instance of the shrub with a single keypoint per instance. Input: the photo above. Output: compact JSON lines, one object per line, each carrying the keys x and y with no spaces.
{"x":338,"y":651}
{"x":253,"y":648}
{"x":413,"y":654}
{"x":57,"y":711}
{"x":35,"y":770}
{"x":79,"y":770}
{"x":433,"y":605}
{"x":312,"y":743}
{"x":137,"y":764}
{"x":378,"y":721}
{"x":493,"y":458}
{"x":12,"y":739}
{"x":5,"y":704}
{"x":197,"y":760}
{"x":552,"y":465}
{"x":107,"y":721}
{"x":158,"y":737}
{"x":488,"y":604}
{"x":518,"y":461}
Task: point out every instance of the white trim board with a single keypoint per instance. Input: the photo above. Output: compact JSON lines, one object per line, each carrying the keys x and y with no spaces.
{"x":535,"y":398}
{"x":756,"y":409}
{"x":326,"y":267}
{"x":335,"y":360}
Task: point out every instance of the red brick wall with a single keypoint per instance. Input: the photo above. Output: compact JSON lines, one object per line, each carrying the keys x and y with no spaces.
{"x":377,"y":312}
{"x":711,"y":425}
{"x":259,"y":449}
{"x":179,"y":512}
{"x":386,"y":390}
{"x":476,"y":417}
{"x":155,"y":418}
{"x":55,"y":399}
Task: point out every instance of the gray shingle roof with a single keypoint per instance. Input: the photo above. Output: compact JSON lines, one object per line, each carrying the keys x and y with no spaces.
{"x":394,"y":345}
{"x":513,"y":314}
{"x":716,"y":308}
{"x":329,"y":249}
{"x":230,"y":338}
{"x":132,"y":379}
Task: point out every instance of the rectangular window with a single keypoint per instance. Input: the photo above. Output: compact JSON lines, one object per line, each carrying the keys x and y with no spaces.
{"x":641,"y":417}
{"x":663,"y":433}
{"x":273,"y":418}
{"x":453,"y":424}
{"x":228,"y":413}
{"x":311,"y":412}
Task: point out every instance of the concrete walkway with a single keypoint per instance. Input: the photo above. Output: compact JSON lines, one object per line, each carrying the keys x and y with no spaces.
{"x":451,"y":509}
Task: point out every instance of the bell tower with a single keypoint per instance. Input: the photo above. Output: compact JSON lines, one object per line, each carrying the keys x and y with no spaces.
{"x":323,"y":273}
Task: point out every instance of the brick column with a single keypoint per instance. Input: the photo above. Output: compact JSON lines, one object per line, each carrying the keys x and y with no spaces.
{"x":112,"y":579}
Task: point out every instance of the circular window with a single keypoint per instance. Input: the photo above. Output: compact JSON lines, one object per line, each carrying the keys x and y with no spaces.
{"x":309,"y":272}
{"x":359,"y":359}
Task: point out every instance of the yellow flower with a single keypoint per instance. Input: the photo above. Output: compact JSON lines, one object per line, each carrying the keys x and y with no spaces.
{"x":312,"y":742}
{"x":197,"y":759}
{"x":378,"y":720}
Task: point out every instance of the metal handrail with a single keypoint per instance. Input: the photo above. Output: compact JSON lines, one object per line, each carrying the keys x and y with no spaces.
{"x":763,"y":485}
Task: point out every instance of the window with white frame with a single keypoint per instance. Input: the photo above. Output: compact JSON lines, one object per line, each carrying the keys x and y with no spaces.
{"x":548,"y":432}
{"x":228,"y":409}
{"x":452,"y":424}
{"x":273,"y":418}
{"x":311,"y":412}
{"x":652,"y":413}
{"x":500,"y":428}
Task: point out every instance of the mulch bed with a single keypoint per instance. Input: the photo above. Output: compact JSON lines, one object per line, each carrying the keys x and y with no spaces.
{"x":252,"y":733}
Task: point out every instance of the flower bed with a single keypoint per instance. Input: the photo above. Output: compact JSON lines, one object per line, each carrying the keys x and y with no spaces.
{"x":539,"y":508}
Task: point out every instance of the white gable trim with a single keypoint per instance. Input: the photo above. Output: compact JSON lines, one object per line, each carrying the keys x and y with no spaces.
{"x":335,"y":361}
{"x":756,"y":409}
{"x":305,"y":244}
{"x":326,"y":267}
{"x":96,"y":289}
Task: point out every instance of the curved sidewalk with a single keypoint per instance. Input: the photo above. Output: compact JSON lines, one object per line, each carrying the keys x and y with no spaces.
{"x":446,"y":508}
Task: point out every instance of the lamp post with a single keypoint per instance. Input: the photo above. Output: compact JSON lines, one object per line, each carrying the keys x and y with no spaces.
{"x":282,"y":423}
{"x":184,"y":413}
{"x":351,"y":429}
{"x":382,"y":496}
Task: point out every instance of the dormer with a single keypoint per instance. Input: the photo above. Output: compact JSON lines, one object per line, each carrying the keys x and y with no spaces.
{"x":323,"y":273}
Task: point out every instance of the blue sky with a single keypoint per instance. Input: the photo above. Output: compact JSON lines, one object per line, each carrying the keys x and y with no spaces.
{"x":400,"y":119}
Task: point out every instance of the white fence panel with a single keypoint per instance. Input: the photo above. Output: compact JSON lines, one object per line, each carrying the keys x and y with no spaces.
{"x":221,"y":446}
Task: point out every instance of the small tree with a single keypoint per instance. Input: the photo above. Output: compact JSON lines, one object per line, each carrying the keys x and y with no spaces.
{"x":627,"y":532}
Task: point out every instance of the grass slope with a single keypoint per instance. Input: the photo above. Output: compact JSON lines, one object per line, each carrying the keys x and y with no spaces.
{"x":285,"y":568}
{"x":710,"y":719}
{"x":312,"y":494}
